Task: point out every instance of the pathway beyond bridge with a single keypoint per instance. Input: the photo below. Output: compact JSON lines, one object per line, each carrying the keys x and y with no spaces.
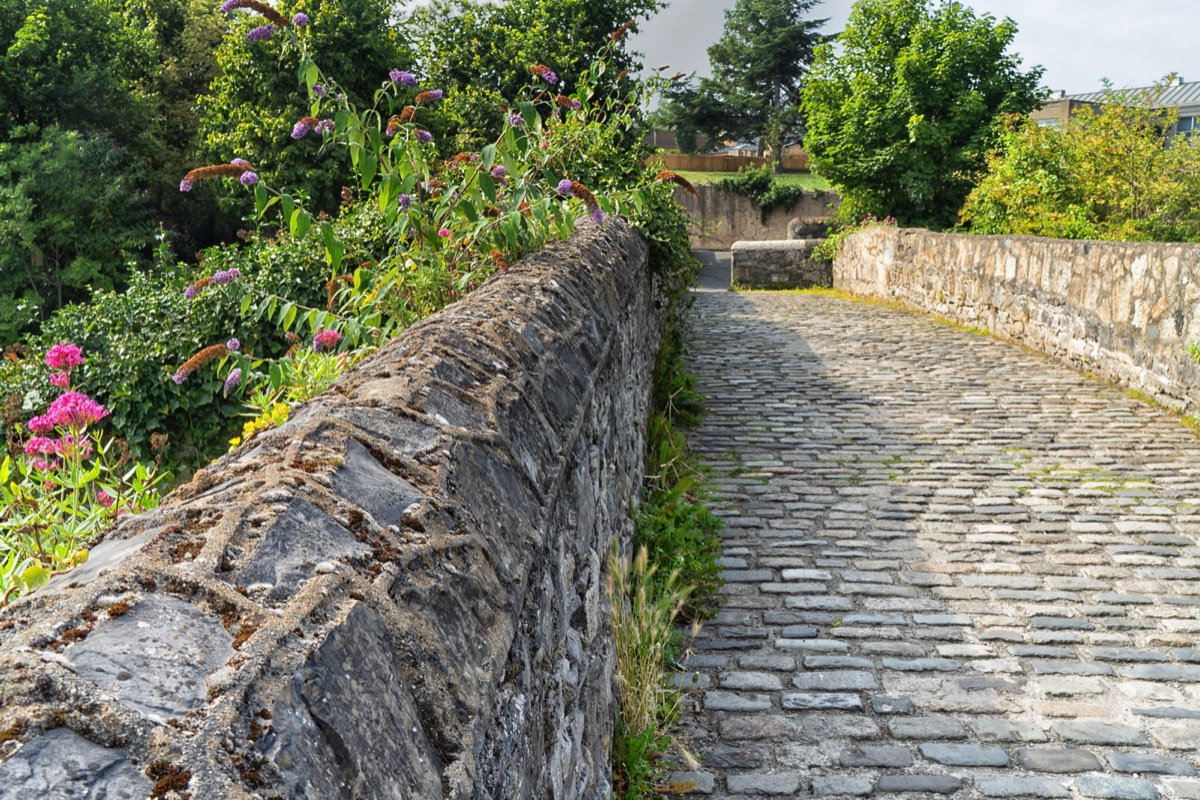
{"x":954,"y":567}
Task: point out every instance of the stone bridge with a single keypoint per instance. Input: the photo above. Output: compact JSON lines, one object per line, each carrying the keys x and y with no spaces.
{"x":954,"y":566}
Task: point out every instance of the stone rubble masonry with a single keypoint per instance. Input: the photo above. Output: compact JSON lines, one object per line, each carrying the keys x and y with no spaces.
{"x":1124,"y":311}
{"x":722,"y":217}
{"x":784,"y":264}
{"x":398,"y":593}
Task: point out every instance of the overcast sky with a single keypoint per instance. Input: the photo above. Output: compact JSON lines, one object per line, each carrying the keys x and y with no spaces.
{"x":1079,"y":42}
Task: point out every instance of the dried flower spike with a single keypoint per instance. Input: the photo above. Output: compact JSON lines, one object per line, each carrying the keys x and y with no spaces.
{"x":256,"y":5}
{"x":667,"y":176}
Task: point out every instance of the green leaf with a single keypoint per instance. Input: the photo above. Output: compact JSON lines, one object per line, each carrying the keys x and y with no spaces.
{"x":35,"y":576}
{"x":287,"y":204}
{"x":311,"y":75}
{"x":489,"y":157}
{"x":367,"y":164}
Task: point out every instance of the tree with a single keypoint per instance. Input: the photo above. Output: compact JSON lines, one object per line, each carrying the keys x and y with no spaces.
{"x":901,"y":110}
{"x":480,"y":52}
{"x":252,"y":105}
{"x":758,"y":67}
{"x":1112,"y":172}
{"x":72,"y":217}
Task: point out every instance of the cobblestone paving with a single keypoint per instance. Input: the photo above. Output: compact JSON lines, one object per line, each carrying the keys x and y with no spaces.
{"x":954,"y":568}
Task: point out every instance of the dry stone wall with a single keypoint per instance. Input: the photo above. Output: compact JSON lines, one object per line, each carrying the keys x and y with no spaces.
{"x":399,"y":593}
{"x":1123,"y":311}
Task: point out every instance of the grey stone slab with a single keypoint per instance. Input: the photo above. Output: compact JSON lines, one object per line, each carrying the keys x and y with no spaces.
{"x":1012,"y":786}
{"x":926,"y":728}
{"x":346,"y":711}
{"x":1112,"y":788}
{"x":884,"y":704}
{"x":1149,"y":762}
{"x":302,"y":537}
{"x":700,"y":782}
{"x":832,"y":701}
{"x":107,"y":555}
{"x":965,"y":755}
{"x":1091,"y":731}
{"x":919,"y":784}
{"x":1053,"y":759}
{"x":835,"y":680}
{"x":841,"y":786}
{"x":155,"y":657}
{"x":1184,"y":673}
{"x":62,"y":765}
{"x":731,"y":701}
{"x":876,"y":756}
{"x":1007,"y":730}
{"x":362,"y":480}
{"x":764,"y":783}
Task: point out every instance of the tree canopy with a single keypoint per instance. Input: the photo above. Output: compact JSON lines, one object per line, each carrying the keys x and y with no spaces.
{"x":902,"y":108}
{"x":480,"y":52}
{"x":1113,"y":171}
{"x":758,"y":68}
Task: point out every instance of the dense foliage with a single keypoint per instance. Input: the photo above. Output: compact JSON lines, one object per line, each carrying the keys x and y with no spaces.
{"x":759,"y":184}
{"x":758,"y":67}
{"x":1113,"y":171}
{"x":479,"y":51}
{"x":903,"y":107}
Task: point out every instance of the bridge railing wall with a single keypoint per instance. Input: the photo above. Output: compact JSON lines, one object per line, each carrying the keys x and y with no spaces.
{"x":398,"y":593}
{"x":1124,"y":311}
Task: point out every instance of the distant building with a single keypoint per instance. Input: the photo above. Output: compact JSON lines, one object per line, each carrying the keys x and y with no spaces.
{"x":1176,"y":95}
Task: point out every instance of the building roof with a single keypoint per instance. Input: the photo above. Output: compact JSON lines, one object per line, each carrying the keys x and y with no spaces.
{"x":1176,"y":93}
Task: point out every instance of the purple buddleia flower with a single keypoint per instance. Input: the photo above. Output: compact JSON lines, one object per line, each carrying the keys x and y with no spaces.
{"x":241,"y":162}
{"x":228,"y":6}
{"x":597,"y":214}
{"x":179,"y":377}
{"x":564,"y":187}
{"x":231,"y":382}
{"x":436,"y":94}
{"x":499,"y":171}
{"x":324,"y":126}
{"x":405,"y":201}
{"x":300,"y":129}
{"x":403,"y":78}
{"x":233,"y":345}
{"x":249,"y":178}
{"x":319,"y":90}
{"x":516,"y":120}
{"x":424,"y":137}
{"x":185,"y":185}
{"x":300,"y":20}
{"x":261,"y":33}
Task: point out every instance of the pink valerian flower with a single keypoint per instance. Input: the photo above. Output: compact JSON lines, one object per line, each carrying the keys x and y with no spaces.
{"x":444,"y":232}
{"x":326,"y":340}
{"x":42,"y":446}
{"x":45,"y":466}
{"x":75,"y":410}
{"x":105,"y":499}
{"x":73,"y":447}
{"x":60,"y":380}
{"x":65,"y":356}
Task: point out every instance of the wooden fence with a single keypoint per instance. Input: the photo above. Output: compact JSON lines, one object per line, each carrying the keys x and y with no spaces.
{"x":678,"y":161}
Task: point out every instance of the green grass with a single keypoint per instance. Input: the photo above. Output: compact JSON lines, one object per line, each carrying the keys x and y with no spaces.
{"x":805,"y":180}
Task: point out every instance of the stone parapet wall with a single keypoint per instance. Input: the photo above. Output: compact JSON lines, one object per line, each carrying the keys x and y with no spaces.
{"x":399,"y":593}
{"x":786,"y":264}
{"x":1123,"y":311}
{"x":720,"y":218}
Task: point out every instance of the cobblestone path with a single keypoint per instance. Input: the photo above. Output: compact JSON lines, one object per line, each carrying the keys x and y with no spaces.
{"x":954,"y":567}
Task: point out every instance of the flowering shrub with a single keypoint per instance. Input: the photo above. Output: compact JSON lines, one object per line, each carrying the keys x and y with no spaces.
{"x":65,"y":485}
